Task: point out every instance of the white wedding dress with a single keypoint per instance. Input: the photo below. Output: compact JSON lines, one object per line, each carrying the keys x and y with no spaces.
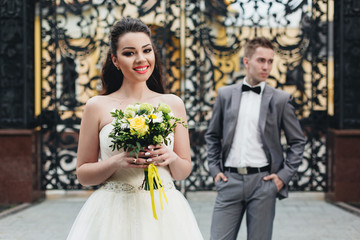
{"x":121,"y":208}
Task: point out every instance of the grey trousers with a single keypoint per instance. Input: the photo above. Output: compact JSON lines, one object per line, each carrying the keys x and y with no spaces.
{"x":240,"y":194}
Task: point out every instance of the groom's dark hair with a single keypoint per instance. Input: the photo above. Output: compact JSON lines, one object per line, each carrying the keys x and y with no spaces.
{"x":256,"y":42}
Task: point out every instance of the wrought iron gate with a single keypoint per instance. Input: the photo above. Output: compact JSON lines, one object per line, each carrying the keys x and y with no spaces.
{"x":201,"y":45}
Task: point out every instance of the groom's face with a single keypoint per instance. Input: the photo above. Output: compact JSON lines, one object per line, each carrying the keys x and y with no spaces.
{"x":259,"y":65}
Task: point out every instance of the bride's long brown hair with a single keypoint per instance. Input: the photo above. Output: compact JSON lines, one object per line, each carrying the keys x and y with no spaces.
{"x":111,"y":77}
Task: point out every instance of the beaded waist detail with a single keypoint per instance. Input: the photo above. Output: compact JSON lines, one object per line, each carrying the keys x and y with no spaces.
{"x":122,"y":187}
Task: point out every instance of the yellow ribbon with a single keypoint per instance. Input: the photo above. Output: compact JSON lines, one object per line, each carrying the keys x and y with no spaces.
{"x":153,"y":174}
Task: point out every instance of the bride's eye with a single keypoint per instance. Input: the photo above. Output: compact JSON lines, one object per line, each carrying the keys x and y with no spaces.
{"x":147,"y":50}
{"x":128,"y":54}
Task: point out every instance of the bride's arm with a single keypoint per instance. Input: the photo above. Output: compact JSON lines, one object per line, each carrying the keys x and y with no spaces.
{"x":88,"y":169}
{"x":179,"y":160}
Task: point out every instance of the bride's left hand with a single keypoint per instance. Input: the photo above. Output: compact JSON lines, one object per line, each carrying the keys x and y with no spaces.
{"x":160,"y":155}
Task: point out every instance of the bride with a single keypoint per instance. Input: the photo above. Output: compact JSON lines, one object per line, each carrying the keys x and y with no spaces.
{"x":121,"y":208}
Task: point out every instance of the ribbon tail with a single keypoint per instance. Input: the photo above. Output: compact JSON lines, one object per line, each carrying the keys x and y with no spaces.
{"x":161,"y":189}
{"x":151,"y":186}
{"x":164,"y":195}
{"x":159,"y":186}
{"x":153,"y":174}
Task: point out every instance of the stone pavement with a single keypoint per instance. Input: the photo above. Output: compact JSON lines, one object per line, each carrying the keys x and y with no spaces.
{"x":304,"y":216}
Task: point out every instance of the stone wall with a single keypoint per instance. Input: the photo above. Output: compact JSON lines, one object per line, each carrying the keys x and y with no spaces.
{"x":344,"y":165}
{"x":20,"y":166}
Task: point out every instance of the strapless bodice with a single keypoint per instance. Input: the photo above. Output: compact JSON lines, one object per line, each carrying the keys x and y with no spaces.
{"x":127,"y":179}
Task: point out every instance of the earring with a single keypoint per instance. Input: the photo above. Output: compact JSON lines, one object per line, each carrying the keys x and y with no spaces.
{"x":117,"y":67}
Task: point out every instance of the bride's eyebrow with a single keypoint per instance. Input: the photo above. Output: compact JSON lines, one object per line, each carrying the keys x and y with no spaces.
{"x":132,"y":48}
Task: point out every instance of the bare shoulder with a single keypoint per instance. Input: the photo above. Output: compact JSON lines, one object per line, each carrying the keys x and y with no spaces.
{"x":96,"y":108}
{"x":95,"y":102}
{"x":175,"y":102}
{"x":172,"y":98}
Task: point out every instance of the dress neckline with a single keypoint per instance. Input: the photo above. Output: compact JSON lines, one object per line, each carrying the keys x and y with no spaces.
{"x":104,"y":127}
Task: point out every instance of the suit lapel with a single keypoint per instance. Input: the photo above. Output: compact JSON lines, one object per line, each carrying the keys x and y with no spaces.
{"x":235,"y":104}
{"x":234,"y":111}
{"x":264,"y":107}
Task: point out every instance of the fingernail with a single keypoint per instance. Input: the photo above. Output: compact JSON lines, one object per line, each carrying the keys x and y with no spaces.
{"x":148,"y":160}
{"x":149,"y":147}
{"x":147,"y":154}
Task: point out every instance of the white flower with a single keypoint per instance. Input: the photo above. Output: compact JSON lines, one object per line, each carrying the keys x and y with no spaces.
{"x":124,"y":125}
{"x":171,"y":114}
{"x":156,"y":117}
{"x":137,"y":107}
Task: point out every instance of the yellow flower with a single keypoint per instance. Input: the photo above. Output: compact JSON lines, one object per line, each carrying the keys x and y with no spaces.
{"x":138,"y":126}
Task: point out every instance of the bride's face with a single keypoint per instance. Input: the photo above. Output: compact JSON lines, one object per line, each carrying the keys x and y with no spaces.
{"x":135,"y":56}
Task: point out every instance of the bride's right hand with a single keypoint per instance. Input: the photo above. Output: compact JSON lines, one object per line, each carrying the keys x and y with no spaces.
{"x":124,"y":160}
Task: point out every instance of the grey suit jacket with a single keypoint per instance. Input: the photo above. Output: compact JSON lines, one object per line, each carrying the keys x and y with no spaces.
{"x":276,"y":114}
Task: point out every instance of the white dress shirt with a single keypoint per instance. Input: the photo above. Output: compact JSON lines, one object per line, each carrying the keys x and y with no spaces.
{"x":247,"y":147}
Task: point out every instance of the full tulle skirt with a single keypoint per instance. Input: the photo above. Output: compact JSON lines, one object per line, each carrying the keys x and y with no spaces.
{"x":116,"y":214}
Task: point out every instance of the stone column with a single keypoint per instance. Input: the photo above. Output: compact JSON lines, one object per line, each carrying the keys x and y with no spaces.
{"x":344,"y":137}
{"x":19,"y":142}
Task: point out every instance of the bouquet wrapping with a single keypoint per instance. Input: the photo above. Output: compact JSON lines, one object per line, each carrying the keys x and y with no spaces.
{"x":139,"y":126}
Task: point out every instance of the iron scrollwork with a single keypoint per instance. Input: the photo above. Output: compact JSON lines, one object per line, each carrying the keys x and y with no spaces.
{"x":201,"y":44}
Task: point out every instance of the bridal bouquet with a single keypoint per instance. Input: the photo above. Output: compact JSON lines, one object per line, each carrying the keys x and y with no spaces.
{"x":139,"y":126}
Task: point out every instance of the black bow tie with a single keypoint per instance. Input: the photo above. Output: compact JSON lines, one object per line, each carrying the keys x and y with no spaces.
{"x":254,"y":89}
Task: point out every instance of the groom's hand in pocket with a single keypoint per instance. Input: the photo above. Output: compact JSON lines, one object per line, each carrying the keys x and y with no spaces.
{"x":219,"y":176}
{"x":278,"y":182}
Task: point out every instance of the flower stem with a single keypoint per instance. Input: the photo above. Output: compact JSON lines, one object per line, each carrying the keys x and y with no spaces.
{"x":145,"y":184}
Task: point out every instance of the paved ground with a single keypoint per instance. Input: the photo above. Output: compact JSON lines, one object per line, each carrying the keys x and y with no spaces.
{"x":304,"y":216}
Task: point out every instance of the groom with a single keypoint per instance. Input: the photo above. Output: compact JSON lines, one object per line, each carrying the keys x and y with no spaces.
{"x":245,"y":154}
